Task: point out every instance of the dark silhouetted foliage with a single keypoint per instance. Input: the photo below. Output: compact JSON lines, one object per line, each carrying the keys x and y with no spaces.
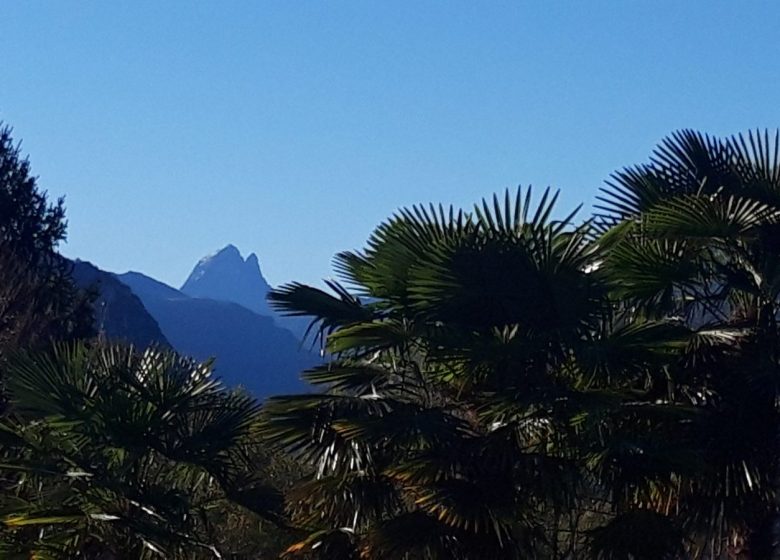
{"x":509,"y":385}
{"x":38,"y":299}
{"x":29,"y":222}
{"x":115,"y":453}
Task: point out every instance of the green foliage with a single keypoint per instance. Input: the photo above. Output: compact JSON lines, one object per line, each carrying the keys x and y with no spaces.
{"x":501,"y":384}
{"x":445,"y":405}
{"x":38,"y":300}
{"x":505,"y":385}
{"x":31,"y":224}
{"x":112,"y":453}
{"x":38,"y":304}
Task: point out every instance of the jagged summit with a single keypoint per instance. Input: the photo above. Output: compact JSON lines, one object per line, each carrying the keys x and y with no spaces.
{"x":227,"y":276}
{"x":228,"y":256}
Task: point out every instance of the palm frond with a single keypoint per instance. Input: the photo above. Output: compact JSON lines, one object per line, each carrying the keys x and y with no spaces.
{"x":712,"y":216}
{"x":639,"y":534}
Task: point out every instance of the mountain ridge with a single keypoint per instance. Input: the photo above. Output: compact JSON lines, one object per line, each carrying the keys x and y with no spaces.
{"x":119,"y":312}
{"x":226,"y":275}
{"x":251,"y":350}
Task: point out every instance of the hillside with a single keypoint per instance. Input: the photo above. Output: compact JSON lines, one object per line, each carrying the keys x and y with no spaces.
{"x":250,"y":349}
{"x":119,"y":313}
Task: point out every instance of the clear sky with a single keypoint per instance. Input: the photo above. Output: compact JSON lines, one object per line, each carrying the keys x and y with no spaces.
{"x":292,"y":128}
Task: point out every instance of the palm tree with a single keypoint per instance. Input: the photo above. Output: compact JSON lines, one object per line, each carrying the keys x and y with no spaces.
{"x":693,"y":237}
{"x":507,"y":385}
{"x":445,"y":430}
{"x":112,"y":453}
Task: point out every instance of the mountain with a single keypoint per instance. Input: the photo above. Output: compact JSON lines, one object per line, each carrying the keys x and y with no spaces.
{"x":119,"y":313}
{"x":250,"y":349}
{"x":148,"y":288}
{"x":227,"y":276}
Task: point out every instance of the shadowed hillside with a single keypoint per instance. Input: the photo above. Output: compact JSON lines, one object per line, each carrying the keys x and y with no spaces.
{"x":250,"y":349}
{"x":119,"y":313}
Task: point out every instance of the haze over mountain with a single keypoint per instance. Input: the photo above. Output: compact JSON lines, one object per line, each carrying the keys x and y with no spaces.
{"x":227,"y":276}
{"x":223,"y":315}
{"x":250,"y":349}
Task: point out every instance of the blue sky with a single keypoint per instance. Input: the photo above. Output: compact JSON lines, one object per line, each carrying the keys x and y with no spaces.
{"x":292,"y":128}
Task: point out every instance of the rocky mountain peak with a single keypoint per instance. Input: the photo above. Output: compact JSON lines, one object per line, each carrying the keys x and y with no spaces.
{"x":227,"y":276}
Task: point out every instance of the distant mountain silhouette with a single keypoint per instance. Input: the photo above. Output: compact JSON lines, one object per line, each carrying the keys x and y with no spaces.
{"x":250,"y":349}
{"x":227,"y":276}
{"x":147,"y":287}
{"x":119,"y":313}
